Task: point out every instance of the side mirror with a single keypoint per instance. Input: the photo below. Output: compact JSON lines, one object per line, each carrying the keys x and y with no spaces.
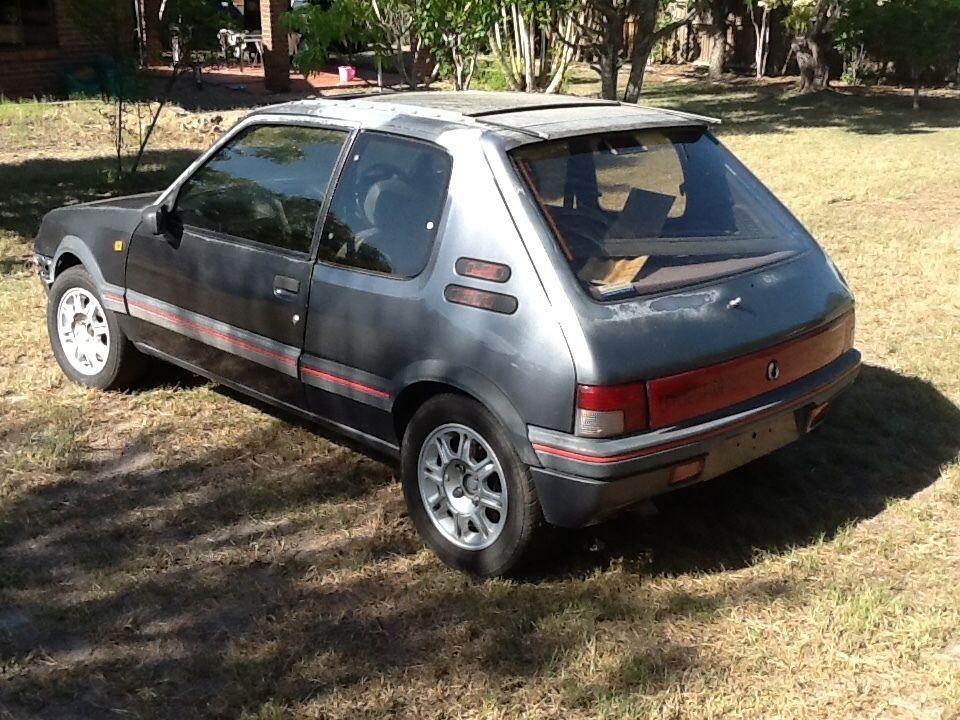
{"x":152,"y":218}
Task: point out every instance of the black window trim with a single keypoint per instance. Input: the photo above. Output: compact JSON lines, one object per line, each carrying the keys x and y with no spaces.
{"x":350,"y":133}
{"x":435,"y":243}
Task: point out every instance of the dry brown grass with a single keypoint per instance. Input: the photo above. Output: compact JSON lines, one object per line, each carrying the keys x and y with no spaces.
{"x":176,"y":552}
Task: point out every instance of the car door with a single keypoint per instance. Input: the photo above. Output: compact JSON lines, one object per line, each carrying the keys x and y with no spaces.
{"x":366,"y":300}
{"x":224,"y":287}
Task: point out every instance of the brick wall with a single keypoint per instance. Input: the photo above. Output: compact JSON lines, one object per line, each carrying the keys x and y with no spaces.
{"x":37,"y":71}
{"x":276,"y":46}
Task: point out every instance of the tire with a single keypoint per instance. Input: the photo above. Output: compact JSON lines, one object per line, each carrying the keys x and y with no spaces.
{"x":113,"y":363}
{"x":454,"y":526}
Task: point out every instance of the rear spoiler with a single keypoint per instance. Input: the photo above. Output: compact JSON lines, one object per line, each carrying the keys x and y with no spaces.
{"x":705,"y":119}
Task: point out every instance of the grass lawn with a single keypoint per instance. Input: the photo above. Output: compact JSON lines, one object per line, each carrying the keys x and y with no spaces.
{"x":175,"y":552}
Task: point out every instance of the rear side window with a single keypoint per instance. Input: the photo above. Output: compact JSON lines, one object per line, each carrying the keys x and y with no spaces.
{"x":387,"y":205}
{"x":650,"y":210}
{"x":267,"y":185}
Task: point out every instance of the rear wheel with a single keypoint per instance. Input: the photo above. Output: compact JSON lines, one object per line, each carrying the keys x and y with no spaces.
{"x":86,"y":339}
{"x":468,"y":493}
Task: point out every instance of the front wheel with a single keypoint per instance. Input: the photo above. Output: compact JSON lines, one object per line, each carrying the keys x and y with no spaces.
{"x":469,"y":494}
{"x":89,"y":345}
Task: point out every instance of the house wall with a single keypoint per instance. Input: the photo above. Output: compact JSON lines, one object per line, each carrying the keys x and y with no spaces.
{"x":26,"y":72}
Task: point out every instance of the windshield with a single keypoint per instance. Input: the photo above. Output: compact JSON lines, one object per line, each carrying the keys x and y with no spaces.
{"x":649,"y":210}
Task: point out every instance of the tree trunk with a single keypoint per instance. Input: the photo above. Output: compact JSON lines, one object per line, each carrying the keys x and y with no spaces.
{"x":639,"y":59}
{"x":609,"y":51}
{"x":530,"y":47}
{"x":786,"y":63}
{"x":810,"y":49}
{"x":644,"y":38}
{"x":567,"y":41}
{"x":609,"y":66}
{"x":406,"y":74}
{"x":718,"y":53}
{"x":820,"y":67}
{"x":765,"y":60}
{"x":500,"y":42}
{"x":718,"y":35}
{"x":758,"y":38}
{"x":814,"y":72}
{"x":646,"y":17}
{"x":761,"y":32}
{"x":806,"y":64}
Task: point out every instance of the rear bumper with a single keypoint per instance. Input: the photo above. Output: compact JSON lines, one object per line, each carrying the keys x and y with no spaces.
{"x":582,"y":480}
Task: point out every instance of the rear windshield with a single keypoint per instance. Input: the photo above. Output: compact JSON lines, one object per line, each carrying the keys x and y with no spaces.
{"x":645,"y":211}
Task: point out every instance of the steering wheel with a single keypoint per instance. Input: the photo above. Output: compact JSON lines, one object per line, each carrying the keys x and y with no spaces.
{"x":372,"y":258}
{"x":365,"y":180}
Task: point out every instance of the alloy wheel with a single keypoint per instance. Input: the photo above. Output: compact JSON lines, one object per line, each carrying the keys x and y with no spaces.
{"x":462,"y":486}
{"x":83,"y":331}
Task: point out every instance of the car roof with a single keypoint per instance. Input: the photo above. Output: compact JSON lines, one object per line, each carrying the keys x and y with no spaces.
{"x":521,"y":117}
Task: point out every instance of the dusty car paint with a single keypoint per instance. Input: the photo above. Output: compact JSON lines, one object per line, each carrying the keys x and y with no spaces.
{"x":354,"y":349}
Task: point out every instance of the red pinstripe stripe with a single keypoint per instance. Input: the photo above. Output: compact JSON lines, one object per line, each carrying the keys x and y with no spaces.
{"x":337,"y":380}
{"x":113,"y":297}
{"x":213,"y":333}
{"x":634,"y":454}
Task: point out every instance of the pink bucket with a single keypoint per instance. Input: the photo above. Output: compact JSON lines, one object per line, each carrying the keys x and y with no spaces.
{"x":347,"y":73}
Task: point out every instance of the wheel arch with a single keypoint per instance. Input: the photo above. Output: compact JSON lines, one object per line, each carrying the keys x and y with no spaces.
{"x":426,"y":380}
{"x":74,"y":251}
{"x":65,"y":261}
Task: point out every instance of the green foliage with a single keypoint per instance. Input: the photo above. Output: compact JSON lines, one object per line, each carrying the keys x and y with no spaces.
{"x":797,"y":20}
{"x":198,"y":21}
{"x":386,"y":21}
{"x":534,"y":40}
{"x":489,"y":76}
{"x":456,"y":32}
{"x":915,"y":34}
{"x":388,"y":26}
{"x":321,"y":28}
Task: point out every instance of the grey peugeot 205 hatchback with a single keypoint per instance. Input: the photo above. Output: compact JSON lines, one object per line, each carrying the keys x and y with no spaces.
{"x":545,"y":308}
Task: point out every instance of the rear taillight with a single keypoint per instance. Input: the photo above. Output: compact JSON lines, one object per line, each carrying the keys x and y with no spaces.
{"x":605,"y":411}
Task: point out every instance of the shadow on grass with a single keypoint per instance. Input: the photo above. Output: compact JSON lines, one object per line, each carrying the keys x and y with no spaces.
{"x":211,"y":95}
{"x":31,"y":188}
{"x":886,"y":439}
{"x":218,"y":583}
{"x":747,"y":108}
{"x":198,"y":588}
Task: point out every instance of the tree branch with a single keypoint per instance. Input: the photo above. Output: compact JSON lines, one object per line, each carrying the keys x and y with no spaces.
{"x":672,"y":27}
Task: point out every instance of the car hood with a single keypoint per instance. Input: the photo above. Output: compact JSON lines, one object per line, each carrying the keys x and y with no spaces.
{"x":127,"y":202}
{"x":116,"y":217}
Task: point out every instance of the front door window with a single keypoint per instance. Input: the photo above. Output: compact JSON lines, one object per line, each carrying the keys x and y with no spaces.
{"x":266,"y":186}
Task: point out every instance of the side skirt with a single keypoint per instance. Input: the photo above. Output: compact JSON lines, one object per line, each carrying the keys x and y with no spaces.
{"x":368,"y":441}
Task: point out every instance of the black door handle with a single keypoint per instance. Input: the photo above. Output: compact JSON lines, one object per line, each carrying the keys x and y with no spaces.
{"x":283,"y":285}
